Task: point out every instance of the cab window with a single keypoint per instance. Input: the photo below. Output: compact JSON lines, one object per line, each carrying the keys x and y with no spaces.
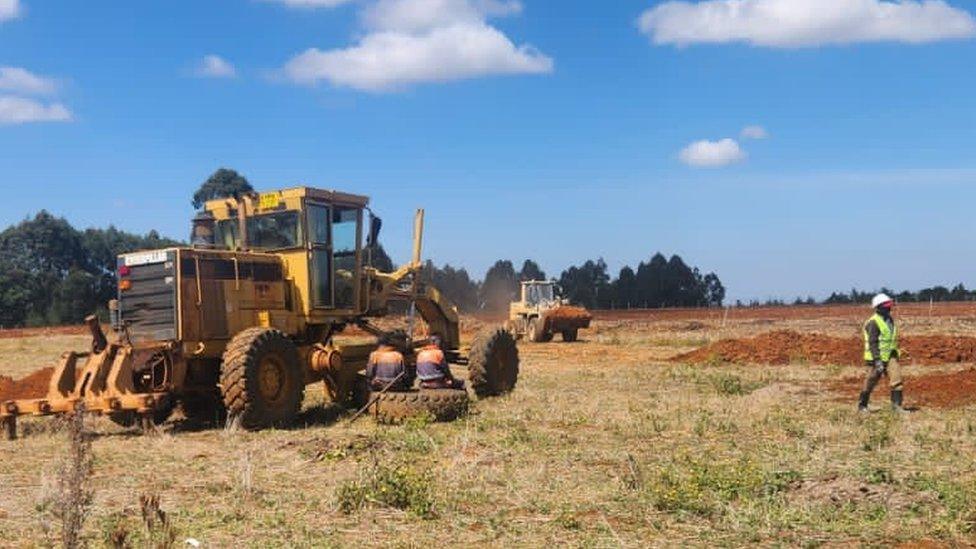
{"x":344,"y":230}
{"x":274,"y":231}
{"x":226,"y":237}
{"x":537,"y":293}
{"x":345,"y":243}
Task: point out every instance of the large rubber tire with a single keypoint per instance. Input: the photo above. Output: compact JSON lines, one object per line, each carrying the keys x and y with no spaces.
{"x":441,"y":404}
{"x":571,"y":335}
{"x":515,"y":327}
{"x":493,"y":363}
{"x":261,"y":380}
{"x":536,"y":331}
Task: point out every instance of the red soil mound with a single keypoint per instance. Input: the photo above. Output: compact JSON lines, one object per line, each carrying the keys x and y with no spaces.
{"x":778,"y":347}
{"x":952,"y":390}
{"x":32,"y":386}
{"x":786,"y":346}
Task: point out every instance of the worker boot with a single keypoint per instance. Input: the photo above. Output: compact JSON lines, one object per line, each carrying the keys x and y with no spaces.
{"x":862,"y":403}
{"x":896,"y":400}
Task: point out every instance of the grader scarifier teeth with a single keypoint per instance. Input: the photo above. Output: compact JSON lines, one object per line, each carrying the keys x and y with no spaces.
{"x":100,"y":382}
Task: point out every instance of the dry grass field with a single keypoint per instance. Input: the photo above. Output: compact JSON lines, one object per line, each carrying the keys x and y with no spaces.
{"x":604,"y":443}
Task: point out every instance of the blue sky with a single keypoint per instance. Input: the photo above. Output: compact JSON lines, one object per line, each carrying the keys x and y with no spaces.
{"x":556,"y":130}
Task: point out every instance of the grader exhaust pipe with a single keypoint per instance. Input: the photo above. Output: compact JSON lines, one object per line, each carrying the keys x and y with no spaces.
{"x":98,"y":336}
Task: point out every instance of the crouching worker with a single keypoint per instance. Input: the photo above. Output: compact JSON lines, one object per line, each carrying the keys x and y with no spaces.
{"x":432,"y":368}
{"x":385,"y":366}
{"x":881,"y":353}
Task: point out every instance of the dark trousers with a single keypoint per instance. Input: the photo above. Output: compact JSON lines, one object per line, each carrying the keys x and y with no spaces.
{"x":442,"y":383}
{"x":894,"y":377}
{"x":380,"y":384}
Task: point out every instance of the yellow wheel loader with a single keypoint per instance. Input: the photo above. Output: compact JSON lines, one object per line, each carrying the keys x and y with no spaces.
{"x":539,"y":315}
{"x":240,"y":321}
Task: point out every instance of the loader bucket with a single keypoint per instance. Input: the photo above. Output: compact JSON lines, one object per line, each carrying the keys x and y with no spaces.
{"x":566,"y":317}
{"x":101,"y":382}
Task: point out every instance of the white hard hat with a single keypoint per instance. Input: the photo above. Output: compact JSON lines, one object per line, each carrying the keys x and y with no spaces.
{"x":880,"y":299}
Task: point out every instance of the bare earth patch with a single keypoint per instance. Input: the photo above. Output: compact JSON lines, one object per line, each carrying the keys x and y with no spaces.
{"x":842,"y":491}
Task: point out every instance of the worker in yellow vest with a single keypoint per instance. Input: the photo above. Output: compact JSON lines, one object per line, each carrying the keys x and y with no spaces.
{"x":881,"y":353}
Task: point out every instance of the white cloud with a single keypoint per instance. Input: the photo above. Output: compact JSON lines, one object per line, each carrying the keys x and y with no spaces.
{"x":422,"y":15}
{"x":416,"y":41}
{"x":20,"y":80}
{"x":386,"y":60}
{"x":805,"y":23}
{"x":20,"y":110}
{"x":754,"y":132}
{"x":214,"y":66}
{"x":712,"y":154}
{"x":9,"y":9}
{"x":311,"y":3}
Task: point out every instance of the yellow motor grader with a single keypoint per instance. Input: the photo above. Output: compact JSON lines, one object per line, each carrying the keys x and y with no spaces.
{"x":240,"y":321}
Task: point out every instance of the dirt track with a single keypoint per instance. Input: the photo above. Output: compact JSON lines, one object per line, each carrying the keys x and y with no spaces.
{"x":786,"y":346}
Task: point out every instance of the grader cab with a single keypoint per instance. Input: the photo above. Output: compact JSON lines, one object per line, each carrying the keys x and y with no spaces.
{"x":243,"y":319}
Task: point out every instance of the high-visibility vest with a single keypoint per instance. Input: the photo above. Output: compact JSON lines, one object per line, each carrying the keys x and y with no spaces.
{"x":887,"y":341}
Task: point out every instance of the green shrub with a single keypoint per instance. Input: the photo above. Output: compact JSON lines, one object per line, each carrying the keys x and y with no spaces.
{"x":701,"y":485}
{"x":729,"y":385}
{"x":397,"y":486}
{"x":876,"y":474}
{"x":733,"y":385}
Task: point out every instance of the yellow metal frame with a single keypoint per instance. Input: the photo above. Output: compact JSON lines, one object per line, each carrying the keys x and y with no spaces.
{"x":105,"y":382}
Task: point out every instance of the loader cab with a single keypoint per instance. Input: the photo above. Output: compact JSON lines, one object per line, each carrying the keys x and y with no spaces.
{"x":535,"y":293}
{"x":317,"y":233}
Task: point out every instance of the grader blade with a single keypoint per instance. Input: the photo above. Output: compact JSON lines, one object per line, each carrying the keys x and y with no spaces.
{"x":101,"y":382}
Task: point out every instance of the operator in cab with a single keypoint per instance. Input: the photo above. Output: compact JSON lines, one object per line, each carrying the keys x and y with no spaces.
{"x":386,"y":365}
{"x":432,"y":368}
{"x":202,"y":234}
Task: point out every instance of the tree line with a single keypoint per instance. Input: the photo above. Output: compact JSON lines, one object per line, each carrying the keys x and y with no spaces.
{"x":936,"y":294}
{"x":925,"y":295}
{"x":52,"y":273}
{"x":658,"y":282}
